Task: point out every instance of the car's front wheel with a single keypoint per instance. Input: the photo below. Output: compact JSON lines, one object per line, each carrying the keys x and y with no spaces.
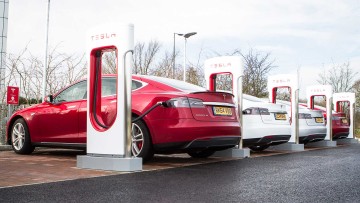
{"x":201,"y":154}
{"x":141,"y":141}
{"x":20,"y":138}
{"x":259,"y":148}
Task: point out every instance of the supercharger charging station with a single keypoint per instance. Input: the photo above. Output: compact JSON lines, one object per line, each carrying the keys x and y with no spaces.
{"x":234,"y":66}
{"x":327,"y":91}
{"x":109,"y":147}
{"x":347,"y":98}
{"x":287,"y":81}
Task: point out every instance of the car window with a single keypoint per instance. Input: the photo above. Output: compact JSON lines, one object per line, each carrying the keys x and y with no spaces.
{"x":79,"y":90}
{"x":72,"y":93}
{"x":136,"y":85}
{"x":108,"y":86}
{"x":177,"y":84}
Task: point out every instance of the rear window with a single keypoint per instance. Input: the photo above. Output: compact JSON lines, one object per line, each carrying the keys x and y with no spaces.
{"x":177,"y":84}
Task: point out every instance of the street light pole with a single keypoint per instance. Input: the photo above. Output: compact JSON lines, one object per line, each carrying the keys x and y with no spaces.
{"x":173,"y":68}
{"x":46,"y":53}
{"x":173,"y":71}
{"x":184,"y":68}
{"x":187,"y":35}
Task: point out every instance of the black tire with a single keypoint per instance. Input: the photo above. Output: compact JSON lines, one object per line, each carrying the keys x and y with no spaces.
{"x":20,"y":137}
{"x":201,"y":154}
{"x":259,"y":148}
{"x":144,"y":148}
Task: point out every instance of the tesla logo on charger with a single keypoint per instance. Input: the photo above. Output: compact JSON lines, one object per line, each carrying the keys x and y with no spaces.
{"x":318,"y":90}
{"x":343,"y":97}
{"x":103,"y":36}
{"x":279,"y":81}
{"x":220,"y":65}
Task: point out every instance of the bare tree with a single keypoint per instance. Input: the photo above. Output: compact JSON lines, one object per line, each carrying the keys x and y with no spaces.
{"x":356,"y":90}
{"x":256,"y":69}
{"x":25,"y":71}
{"x":165,"y":67}
{"x":109,"y":62}
{"x":144,"y":56}
{"x":340,"y":77}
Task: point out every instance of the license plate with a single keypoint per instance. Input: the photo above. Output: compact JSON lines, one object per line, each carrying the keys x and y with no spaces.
{"x":344,"y":120}
{"x":280,"y":116}
{"x":222,"y":111}
{"x":319,"y":120}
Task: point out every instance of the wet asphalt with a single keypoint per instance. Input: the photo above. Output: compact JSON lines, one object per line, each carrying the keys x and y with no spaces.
{"x":326,"y":175}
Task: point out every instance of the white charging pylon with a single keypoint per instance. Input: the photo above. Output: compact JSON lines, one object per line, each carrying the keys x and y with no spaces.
{"x":327,"y":91}
{"x":287,"y":81}
{"x":348,"y":97}
{"x":228,"y":65}
{"x":109,"y":147}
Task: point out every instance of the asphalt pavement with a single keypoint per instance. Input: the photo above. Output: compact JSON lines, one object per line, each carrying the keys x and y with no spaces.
{"x":326,"y":175}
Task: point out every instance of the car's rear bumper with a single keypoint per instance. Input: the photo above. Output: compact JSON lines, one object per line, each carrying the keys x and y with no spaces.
{"x":214,"y":143}
{"x":267,"y":140}
{"x":261,"y":130}
{"x":340,"y":132}
{"x":311,"y":133}
{"x":312,"y":138}
{"x":189,"y":130}
{"x":340,"y":135}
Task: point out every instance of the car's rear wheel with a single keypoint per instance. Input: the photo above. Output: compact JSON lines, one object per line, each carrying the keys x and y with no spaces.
{"x":141,"y":141}
{"x":20,"y":138}
{"x":201,"y":154}
{"x":259,"y":148}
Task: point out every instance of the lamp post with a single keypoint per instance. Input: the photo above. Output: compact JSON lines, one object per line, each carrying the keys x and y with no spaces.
{"x":173,"y":69}
{"x":187,"y":35}
{"x":46,"y":53}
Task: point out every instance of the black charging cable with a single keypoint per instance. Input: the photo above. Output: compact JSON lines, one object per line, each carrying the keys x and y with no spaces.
{"x":149,"y":110}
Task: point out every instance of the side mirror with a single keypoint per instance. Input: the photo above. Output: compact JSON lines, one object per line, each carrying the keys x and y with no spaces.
{"x":49,"y":98}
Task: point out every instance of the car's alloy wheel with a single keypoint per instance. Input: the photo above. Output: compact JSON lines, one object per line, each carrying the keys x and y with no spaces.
{"x":20,"y":138}
{"x":137,"y":139}
{"x":141,"y":141}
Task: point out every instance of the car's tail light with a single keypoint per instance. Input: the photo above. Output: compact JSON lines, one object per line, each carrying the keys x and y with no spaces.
{"x":185,"y":103}
{"x":304,"y":116}
{"x":256,"y":111}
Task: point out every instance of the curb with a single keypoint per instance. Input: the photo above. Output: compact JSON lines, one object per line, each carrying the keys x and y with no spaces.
{"x":5,"y":147}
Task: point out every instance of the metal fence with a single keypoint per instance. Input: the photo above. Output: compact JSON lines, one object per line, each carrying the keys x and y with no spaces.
{"x":3,"y":119}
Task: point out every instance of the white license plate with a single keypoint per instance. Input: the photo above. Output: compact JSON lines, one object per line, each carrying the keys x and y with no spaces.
{"x":280,"y":116}
{"x":344,"y":120}
{"x":319,"y":120}
{"x":222,"y":111}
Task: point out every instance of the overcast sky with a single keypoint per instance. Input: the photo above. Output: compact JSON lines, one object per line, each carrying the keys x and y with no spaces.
{"x":306,"y":34}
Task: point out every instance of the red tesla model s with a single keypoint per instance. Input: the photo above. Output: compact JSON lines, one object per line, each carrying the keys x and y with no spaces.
{"x":190,"y":120}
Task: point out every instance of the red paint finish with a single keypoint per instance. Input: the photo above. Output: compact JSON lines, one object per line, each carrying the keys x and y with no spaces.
{"x":65,"y":121}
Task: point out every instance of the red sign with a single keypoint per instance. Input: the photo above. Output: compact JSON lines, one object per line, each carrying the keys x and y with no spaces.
{"x":12,"y":95}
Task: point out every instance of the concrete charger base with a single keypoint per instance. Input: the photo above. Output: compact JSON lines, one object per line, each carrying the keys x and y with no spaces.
{"x":347,"y":141}
{"x":5,"y":147}
{"x":107,"y":163}
{"x":233,"y":153}
{"x":288,"y":147}
{"x":324,"y":143}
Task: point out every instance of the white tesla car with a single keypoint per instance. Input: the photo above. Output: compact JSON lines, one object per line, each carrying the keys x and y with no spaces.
{"x":264,"y":124}
{"x":312,"y":126}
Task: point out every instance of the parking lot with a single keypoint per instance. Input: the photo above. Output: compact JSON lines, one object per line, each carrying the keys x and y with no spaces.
{"x":314,"y":175}
{"x":51,"y":165}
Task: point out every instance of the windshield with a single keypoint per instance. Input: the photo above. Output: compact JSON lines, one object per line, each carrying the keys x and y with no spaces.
{"x":180,"y":85}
